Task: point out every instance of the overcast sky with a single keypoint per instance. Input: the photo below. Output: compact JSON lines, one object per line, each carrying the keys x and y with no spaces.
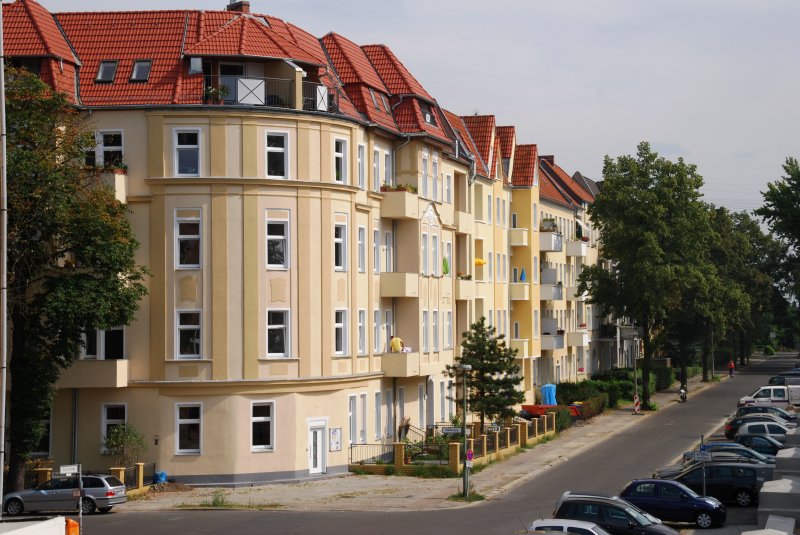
{"x":716,"y":82}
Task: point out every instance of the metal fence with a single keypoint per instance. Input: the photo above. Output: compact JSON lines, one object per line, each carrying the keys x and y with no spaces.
{"x":371,"y":454}
{"x":434,"y":454}
{"x":149,"y":470}
{"x":252,"y":90}
{"x":515,"y":434}
{"x":318,"y":97}
{"x":477,"y":449}
{"x":491,"y":444}
{"x":502,"y":438}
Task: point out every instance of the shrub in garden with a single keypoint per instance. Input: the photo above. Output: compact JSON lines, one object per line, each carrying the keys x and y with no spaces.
{"x":594,"y":406}
{"x":563,"y":417}
{"x":769,"y":350}
{"x":664,"y":378}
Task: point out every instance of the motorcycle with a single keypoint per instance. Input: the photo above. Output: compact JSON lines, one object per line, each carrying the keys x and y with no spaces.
{"x":684,"y":395}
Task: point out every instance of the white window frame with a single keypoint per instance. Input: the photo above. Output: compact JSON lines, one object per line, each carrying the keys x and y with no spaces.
{"x":448,"y":189}
{"x":425,"y":339}
{"x":390,"y":425}
{"x":362,"y":170}
{"x":376,"y":250}
{"x":489,"y":257}
{"x":341,"y":243}
{"x":376,"y":330}
{"x":362,"y":249}
{"x":100,"y":343}
{"x":285,"y":238}
{"x":388,"y":323}
{"x":388,"y":176}
{"x":449,"y":326}
{"x":442,"y":400}
{"x":435,"y":327}
{"x":489,"y":213}
{"x":388,"y":240}
{"x":177,"y":148}
{"x":449,"y":253}
{"x":424,"y":189}
{"x":352,"y":418}
{"x":106,"y":421}
{"x":424,"y":253}
{"x":186,"y":237}
{"x":362,"y":331}
{"x":179,"y":328}
{"x":188,"y":421}
{"x":340,"y":161}
{"x":362,"y":428}
{"x":435,"y":177}
{"x":435,"y":255}
{"x":263,"y":419}
{"x":100,"y":147}
{"x":376,"y":169}
{"x":378,"y":415}
{"x":340,"y":326}
{"x":287,"y":332}
{"x":536,"y":324}
{"x":284,"y":150}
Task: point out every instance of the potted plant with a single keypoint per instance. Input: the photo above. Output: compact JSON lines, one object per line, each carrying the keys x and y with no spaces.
{"x":582,"y":325}
{"x":216,"y":95}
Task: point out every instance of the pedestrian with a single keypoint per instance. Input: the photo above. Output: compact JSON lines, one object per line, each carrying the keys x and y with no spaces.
{"x":396,"y":344}
{"x":730,"y":368}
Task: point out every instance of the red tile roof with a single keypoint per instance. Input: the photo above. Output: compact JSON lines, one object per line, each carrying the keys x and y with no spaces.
{"x":34,"y":32}
{"x":352,"y":64}
{"x":525,"y":162}
{"x":463,"y":133}
{"x":567,"y":183}
{"x":482,"y":129}
{"x":394,"y":74}
{"x":508,"y":136}
{"x":549,"y":187}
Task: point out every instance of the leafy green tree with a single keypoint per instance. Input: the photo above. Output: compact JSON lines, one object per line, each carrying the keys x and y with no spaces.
{"x":492,"y":383}
{"x":781,"y":212}
{"x":71,"y":254}
{"x":646,"y":213}
{"x":124,"y":442}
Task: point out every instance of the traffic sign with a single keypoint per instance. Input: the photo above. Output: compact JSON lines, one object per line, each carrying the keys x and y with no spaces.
{"x":702,"y":456}
{"x":469,"y":464}
{"x":68,"y":469}
{"x":470,"y":455}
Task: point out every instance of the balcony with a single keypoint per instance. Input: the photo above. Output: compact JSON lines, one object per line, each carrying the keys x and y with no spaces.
{"x":519,"y":291}
{"x":518,"y":237}
{"x":551,"y":292}
{"x":400,"y":205}
{"x":465,"y":223}
{"x":399,"y":284}
{"x":552,"y":341}
{"x":549,"y":276}
{"x":579,"y":338}
{"x":268,"y":93}
{"x":482,"y":289}
{"x":400,"y":364}
{"x":577,"y":248}
{"x":521,"y":345}
{"x":465,"y":290}
{"x":90,"y":373}
{"x":118,"y":181}
{"x":573,"y":295}
{"x":550,"y":242}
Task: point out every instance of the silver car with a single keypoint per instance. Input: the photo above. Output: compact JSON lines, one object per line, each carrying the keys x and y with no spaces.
{"x":100,"y":492}
{"x":578,"y":527}
{"x":764,"y":429}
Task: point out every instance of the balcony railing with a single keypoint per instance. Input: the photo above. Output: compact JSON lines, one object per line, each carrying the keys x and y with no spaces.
{"x":573,"y":295}
{"x":579,"y":338}
{"x":520,"y":291}
{"x":518,"y":237}
{"x":552,"y":341}
{"x":317,"y":97}
{"x":551,"y":292}
{"x":550,"y":242}
{"x":251,"y":91}
{"x":577,"y":248}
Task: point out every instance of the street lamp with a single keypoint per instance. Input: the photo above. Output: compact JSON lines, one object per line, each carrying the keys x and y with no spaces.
{"x":464,"y":369}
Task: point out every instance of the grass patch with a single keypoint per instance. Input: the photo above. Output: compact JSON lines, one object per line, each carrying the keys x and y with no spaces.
{"x":432,"y":471}
{"x":360,"y":472}
{"x":217,"y":500}
{"x":650,"y":406}
{"x":473,"y":497}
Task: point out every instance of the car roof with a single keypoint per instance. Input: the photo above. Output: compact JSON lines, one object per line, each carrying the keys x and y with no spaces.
{"x":564,"y":521}
{"x":747,"y":425}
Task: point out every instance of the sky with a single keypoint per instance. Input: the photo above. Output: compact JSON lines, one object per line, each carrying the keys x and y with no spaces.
{"x":716,"y":82}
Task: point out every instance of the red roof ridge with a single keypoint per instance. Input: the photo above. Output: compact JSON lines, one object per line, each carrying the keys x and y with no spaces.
{"x":34,"y":10}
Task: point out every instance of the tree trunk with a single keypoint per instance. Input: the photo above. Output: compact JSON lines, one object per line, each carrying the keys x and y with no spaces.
{"x":707,"y":354}
{"x":682,"y":351}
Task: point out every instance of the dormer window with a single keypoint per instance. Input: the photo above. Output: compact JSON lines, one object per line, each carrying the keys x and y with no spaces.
{"x":385,"y":103}
{"x":374,"y":100}
{"x":106,"y":72}
{"x":141,"y":70}
{"x":427,"y":113}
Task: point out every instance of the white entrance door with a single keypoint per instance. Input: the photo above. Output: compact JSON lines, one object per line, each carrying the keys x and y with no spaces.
{"x":316,"y":450}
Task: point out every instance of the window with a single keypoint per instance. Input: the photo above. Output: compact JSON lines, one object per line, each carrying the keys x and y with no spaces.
{"x":514,"y":220}
{"x":374,"y":100}
{"x":378,"y":411}
{"x":536,"y":324}
{"x":489,"y":264}
{"x":389,"y":414}
{"x":425,"y":174}
{"x":427,"y":113}
{"x":448,"y":189}
{"x":376,"y":330}
{"x":435,"y":254}
{"x":435,"y":177}
{"x":535,"y":269}
{"x":424,"y":254}
{"x":189,"y":334}
{"x":353,"y":419}
{"x":340,"y":332}
{"x":277,"y":155}
{"x":141,"y":70}
{"x":187,"y":152}
{"x":106,"y":344}
{"x":515,"y":326}
{"x":488,"y":208}
{"x":498,"y":264}
{"x":362,"y":249}
{"x":387,"y":169}
{"x":278,"y":333}
{"x":106,"y":72}
{"x":497,"y":210}
{"x":340,"y":247}
{"x":449,"y":327}
{"x":376,"y":250}
{"x":401,"y":402}
{"x":435,"y":326}
{"x":189,"y":420}
{"x":262,"y":429}
{"x":362,"y":435}
{"x":385,"y":103}
{"x":188,"y":242}
{"x":362,"y":332}
{"x":113,"y":415}
{"x":451,"y":399}
{"x":442,"y":399}
{"x":425,"y":330}
{"x":362,"y":170}
{"x":108,"y":151}
{"x":535,"y":217}
{"x":514,"y":275}
{"x":340,"y":161}
{"x":449,"y":255}
{"x":387,"y":238}
{"x":277,"y":244}
{"x":388,"y":325}
{"x":376,"y":169}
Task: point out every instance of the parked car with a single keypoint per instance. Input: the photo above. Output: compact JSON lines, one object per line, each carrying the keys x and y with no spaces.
{"x":735,"y":450}
{"x":779,"y":396}
{"x":674,"y":502}
{"x":732,"y":425}
{"x":765,"y":429}
{"x":710,"y":446}
{"x":769,"y":409}
{"x":761,"y":444}
{"x":728,"y":482}
{"x":716,"y":456}
{"x":570,"y":526}
{"x":611,"y":513}
{"x":101,"y":492}
{"x":779,"y":380}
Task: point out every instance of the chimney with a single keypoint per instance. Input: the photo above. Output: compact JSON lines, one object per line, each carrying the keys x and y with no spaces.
{"x":549,"y":159}
{"x":242,"y":6}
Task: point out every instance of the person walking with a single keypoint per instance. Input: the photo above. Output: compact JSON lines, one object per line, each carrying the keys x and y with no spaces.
{"x":730,"y":368}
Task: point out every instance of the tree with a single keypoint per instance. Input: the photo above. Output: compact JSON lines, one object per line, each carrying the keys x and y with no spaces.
{"x":70,"y":249}
{"x":124,"y":442}
{"x":781,"y":212}
{"x":492,"y":383}
{"x":646,"y":213}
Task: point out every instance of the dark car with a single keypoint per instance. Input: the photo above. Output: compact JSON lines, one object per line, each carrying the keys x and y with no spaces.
{"x":674,"y":502}
{"x":716,"y":456}
{"x":101,"y":492}
{"x":734,"y":449}
{"x":759,"y":443}
{"x":728,"y":482}
{"x":768,"y":409}
{"x":611,"y":513}
{"x":733,"y":425}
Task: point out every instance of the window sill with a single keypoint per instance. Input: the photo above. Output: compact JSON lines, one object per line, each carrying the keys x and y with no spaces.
{"x":277,"y":268}
{"x":262,"y":450}
{"x":188,"y":453}
{"x":189,"y":359}
{"x":278,"y":358}
{"x":188,"y":268}
{"x":341,"y":356}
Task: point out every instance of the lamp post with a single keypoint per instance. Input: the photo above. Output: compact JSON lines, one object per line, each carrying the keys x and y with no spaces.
{"x":464,"y":369}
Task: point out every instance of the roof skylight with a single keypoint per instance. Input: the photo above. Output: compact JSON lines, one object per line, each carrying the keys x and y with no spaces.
{"x":141,"y":70}
{"x":107,"y":71}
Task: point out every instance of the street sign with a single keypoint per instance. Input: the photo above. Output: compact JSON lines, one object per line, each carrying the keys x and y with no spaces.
{"x":702,"y":456}
{"x":66,"y":469}
{"x":470,"y":455}
{"x":493,"y":427}
{"x":469,"y":464}
{"x":455,"y":431}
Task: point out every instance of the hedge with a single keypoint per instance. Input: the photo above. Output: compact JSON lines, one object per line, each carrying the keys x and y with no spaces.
{"x":594,"y":406}
{"x":563,"y":417}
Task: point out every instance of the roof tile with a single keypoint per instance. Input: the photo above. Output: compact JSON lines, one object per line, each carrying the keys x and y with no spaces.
{"x":525,"y":162}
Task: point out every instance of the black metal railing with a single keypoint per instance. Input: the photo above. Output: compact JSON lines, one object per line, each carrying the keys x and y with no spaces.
{"x":433,"y":454}
{"x":502,"y":440}
{"x":371,"y":454}
{"x":252,"y":91}
{"x":149,"y":475}
{"x":491,"y":442}
{"x":477,"y":449}
{"x":318,"y":97}
{"x":514,"y":435}
{"x":130,"y":478}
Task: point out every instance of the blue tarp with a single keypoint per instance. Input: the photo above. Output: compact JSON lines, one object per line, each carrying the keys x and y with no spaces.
{"x":548,"y":394}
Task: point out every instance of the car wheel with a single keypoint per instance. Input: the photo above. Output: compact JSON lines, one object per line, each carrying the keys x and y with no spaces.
{"x":744,"y":498}
{"x":14,"y":507}
{"x":105,"y":509}
{"x":703,"y":520}
{"x":87,"y":506}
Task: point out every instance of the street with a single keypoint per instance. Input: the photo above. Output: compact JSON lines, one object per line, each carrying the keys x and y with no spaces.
{"x":654,"y":442}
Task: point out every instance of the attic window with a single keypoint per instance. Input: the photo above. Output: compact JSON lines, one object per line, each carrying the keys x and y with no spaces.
{"x":141,"y":70}
{"x":374,"y":100}
{"x":385,"y":103}
{"x":106,"y":72}
{"x":427,"y":114}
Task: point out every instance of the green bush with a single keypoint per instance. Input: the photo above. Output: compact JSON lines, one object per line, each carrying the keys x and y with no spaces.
{"x":664,"y":378}
{"x":568,"y":393}
{"x":769,"y":350}
{"x":563,"y":417}
{"x":594,"y":406}
{"x":432,"y":471}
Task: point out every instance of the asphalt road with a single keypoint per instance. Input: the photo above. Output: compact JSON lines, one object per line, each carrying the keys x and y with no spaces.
{"x":656,"y":441}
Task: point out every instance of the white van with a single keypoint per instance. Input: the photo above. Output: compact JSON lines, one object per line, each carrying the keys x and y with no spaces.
{"x":775,"y":395}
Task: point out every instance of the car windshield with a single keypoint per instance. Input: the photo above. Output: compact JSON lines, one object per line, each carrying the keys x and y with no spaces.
{"x":689,"y":492}
{"x":640,"y":516}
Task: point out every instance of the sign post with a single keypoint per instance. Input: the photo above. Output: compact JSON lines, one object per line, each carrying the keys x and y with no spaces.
{"x":464,"y":369}
{"x":67,"y":470}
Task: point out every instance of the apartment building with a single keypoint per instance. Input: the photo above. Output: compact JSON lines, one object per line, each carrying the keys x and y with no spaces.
{"x":299,"y":202}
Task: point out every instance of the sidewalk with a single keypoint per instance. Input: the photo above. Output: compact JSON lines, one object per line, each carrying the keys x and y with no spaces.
{"x":349,"y":492}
